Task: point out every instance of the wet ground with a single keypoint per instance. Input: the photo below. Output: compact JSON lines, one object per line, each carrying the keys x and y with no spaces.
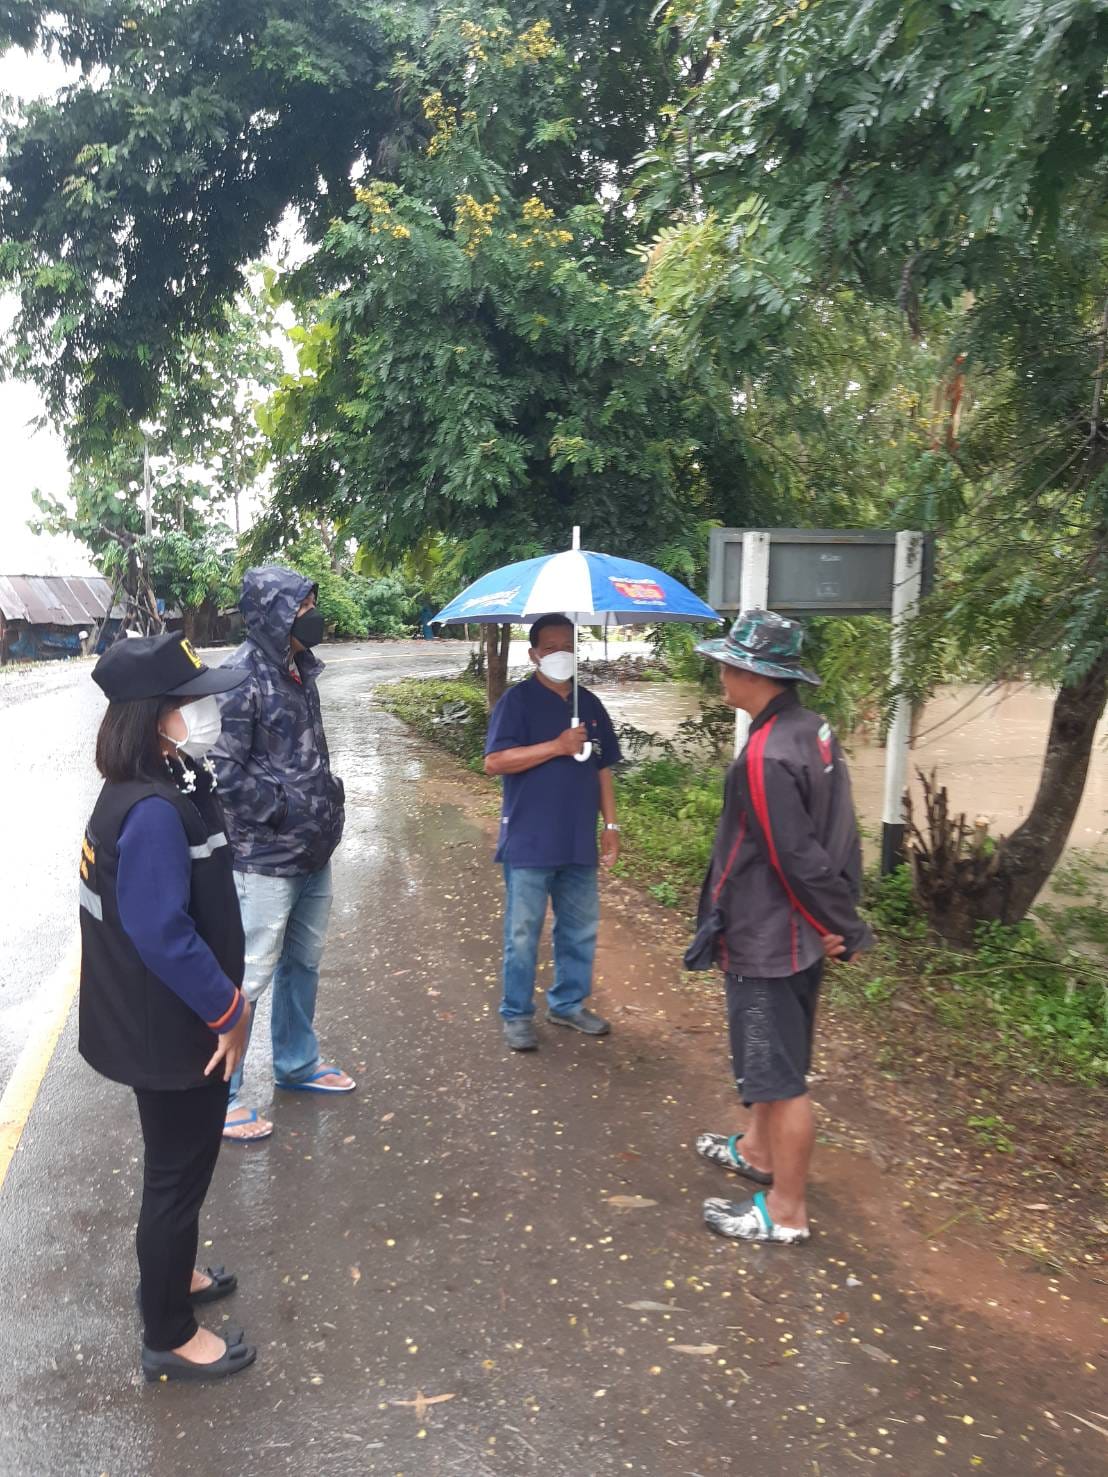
{"x":486,"y":1265}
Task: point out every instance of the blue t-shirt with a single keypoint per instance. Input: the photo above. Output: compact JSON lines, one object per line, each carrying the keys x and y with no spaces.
{"x":550,"y":812}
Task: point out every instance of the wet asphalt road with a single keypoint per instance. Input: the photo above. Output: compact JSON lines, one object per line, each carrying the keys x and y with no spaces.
{"x":435,"y":1270}
{"x":48,"y":719}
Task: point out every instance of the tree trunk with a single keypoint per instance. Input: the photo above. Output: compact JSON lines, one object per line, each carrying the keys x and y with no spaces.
{"x":498,"y":641}
{"x":961,"y":883}
{"x":199,"y":622}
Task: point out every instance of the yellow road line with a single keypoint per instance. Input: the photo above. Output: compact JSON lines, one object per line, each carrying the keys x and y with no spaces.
{"x":30,"y":1069}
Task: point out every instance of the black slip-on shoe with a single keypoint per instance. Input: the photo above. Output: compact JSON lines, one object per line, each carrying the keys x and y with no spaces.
{"x":159,"y":1366}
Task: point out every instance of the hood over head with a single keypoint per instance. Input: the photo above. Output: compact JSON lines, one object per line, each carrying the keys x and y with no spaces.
{"x":271,"y":596}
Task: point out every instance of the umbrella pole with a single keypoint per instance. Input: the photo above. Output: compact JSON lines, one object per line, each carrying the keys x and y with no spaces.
{"x":576,"y":704}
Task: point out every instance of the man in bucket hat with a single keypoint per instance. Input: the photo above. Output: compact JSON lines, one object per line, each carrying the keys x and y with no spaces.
{"x":779,"y":898}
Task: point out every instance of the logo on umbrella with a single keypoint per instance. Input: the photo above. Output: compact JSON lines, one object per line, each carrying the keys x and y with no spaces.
{"x":499,"y":597}
{"x":639,"y":592}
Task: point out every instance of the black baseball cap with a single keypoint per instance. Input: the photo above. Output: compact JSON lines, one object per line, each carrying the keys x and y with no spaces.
{"x":160,"y":666}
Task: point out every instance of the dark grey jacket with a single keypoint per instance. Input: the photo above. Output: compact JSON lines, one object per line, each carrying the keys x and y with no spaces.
{"x":787,"y":865}
{"x":283,"y":805}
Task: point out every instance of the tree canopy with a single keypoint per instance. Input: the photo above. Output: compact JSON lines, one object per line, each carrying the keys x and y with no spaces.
{"x":136,"y":200}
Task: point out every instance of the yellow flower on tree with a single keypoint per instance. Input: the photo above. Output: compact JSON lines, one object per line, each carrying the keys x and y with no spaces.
{"x":473,"y":221}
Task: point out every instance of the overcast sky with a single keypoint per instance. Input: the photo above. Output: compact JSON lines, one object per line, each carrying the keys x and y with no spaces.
{"x":30,"y":460}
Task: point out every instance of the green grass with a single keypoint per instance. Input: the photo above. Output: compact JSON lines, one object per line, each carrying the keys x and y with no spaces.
{"x":668,"y":812}
{"x":1020,"y":997}
{"x":450,"y":711}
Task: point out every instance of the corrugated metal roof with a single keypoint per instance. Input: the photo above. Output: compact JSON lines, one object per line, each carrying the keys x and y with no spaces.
{"x":54,"y":599}
{"x":11,"y":606}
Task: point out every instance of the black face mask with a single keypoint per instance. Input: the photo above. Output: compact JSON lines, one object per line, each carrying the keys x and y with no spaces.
{"x":308,"y":628}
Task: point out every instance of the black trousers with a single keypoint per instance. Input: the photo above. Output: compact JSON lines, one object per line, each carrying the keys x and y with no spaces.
{"x":182,"y":1133}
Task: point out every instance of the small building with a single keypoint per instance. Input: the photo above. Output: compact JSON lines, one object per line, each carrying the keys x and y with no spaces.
{"x":44,"y":616}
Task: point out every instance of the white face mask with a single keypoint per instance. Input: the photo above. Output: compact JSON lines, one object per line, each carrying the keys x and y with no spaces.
{"x":557,"y":665}
{"x":203,"y":725}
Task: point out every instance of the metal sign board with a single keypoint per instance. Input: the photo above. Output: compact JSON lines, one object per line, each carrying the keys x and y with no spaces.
{"x":812,"y":571}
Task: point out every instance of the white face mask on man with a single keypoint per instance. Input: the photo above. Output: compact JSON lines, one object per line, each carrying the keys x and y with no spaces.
{"x":203,"y":725}
{"x":557,"y":665}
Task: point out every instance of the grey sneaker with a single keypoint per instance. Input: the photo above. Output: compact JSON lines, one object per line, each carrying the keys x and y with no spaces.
{"x":581,"y":1019}
{"x":520,"y":1034}
{"x":750,"y":1220}
{"x":724,"y":1150}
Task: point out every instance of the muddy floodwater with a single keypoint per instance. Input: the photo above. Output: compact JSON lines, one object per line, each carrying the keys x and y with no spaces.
{"x":986,"y":746}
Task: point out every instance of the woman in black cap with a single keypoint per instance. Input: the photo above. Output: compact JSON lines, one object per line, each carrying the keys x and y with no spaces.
{"x":161,"y":1008}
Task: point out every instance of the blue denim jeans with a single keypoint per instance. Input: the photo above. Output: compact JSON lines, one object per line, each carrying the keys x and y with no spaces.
{"x":575,"y":897}
{"x":285,"y":922}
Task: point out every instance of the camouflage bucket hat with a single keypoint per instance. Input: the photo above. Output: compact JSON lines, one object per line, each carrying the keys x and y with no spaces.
{"x":764,"y":643}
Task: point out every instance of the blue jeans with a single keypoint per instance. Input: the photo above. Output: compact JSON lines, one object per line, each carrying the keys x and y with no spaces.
{"x":285,"y":922}
{"x":575,"y":897}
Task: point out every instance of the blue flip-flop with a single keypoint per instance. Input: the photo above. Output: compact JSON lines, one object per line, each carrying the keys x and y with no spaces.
{"x":234,"y":1138}
{"x":312,"y":1083}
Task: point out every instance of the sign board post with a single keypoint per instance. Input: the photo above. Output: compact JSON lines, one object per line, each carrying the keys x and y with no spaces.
{"x":907,"y":586}
{"x":820,"y":571}
{"x":755,"y":596}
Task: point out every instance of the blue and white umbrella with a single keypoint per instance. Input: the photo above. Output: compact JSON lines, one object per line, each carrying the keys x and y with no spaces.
{"x":591,"y":589}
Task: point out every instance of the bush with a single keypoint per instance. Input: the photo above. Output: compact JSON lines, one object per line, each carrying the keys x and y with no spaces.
{"x":450,"y":711}
{"x":309,"y":557}
{"x":668,"y":810}
{"x":388,"y":606}
{"x":1054,"y":1001}
{"x":1018,"y":996}
{"x":892,"y":903}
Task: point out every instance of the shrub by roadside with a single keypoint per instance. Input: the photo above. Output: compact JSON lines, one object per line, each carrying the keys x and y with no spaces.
{"x":450,"y":711}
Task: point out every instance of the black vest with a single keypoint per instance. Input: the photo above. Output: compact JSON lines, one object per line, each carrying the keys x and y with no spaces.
{"x":133,"y":1028}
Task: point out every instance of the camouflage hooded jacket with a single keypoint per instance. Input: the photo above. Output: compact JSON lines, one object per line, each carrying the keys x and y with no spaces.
{"x":283,"y":805}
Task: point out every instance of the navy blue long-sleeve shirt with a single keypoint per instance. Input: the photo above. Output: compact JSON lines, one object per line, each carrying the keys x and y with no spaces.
{"x":152,"y":890}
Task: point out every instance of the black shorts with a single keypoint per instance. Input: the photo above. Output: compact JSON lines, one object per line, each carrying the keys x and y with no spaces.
{"x":772,"y":1023}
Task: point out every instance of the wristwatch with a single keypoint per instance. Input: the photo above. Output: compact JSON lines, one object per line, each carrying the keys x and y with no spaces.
{"x":611,"y":826}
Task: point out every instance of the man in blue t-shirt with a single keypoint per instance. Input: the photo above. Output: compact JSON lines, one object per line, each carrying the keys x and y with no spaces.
{"x":548,"y":832}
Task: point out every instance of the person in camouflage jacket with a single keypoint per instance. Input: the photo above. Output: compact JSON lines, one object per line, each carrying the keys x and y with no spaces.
{"x":285,"y":817}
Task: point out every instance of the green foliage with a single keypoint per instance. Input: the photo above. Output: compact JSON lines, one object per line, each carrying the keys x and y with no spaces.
{"x":851,"y":657}
{"x":548,"y":409}
{"x":388,"y":606}
{"x":924,"y":242}
{"x":1045,"y":1000}
{"x":189,"y":571}
{"x":892,"y":904}
{"x":449,"y":711}
{"x":205,"y":452}
{"x":890,"y":143}
{"x":134,"y":201}
{"x":668,"y":810}
{"x":475,"y":363}
{"x":1032,"y":1001}
{"x":335,"y":600}
{"x":992,"y":1131}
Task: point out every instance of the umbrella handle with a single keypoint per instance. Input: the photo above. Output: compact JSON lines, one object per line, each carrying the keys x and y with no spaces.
{"x":586,"y":752}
